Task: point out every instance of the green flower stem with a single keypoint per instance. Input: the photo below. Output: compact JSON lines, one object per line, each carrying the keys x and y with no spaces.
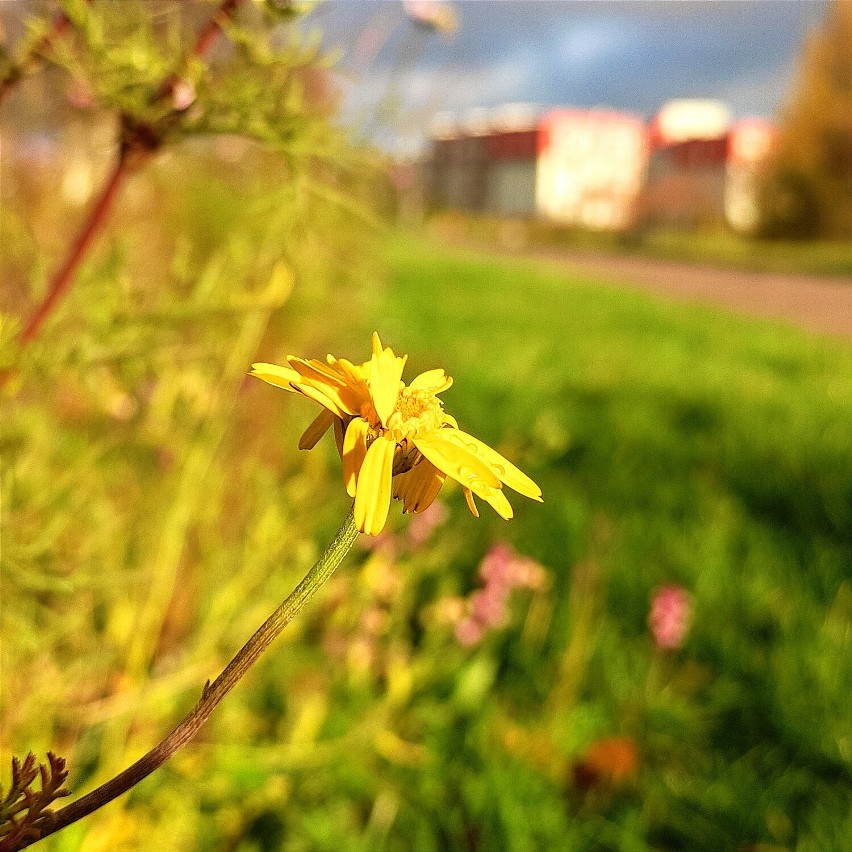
{"x":213,"y":692}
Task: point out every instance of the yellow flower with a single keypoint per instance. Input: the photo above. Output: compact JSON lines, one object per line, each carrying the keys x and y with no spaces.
{"x":395,"y":439}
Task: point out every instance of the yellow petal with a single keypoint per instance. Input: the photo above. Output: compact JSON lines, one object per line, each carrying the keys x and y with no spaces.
{"x":497,"y":500}
{"x":354,"y":450}
{"x":376,"y":343}
{"x":471,"y":503}
{"x":464,"y":467}
{"x":317,"y":371}
{"x":281,"y":377}
{"x":314,"y":393}
{"x":310,"y":367}
{"x":432,"y":380}
{"x":353,"y":373}
{"x":331,"y":383}
{"x":385,"y":375}
{"x":499,"y":503}
{"x":372,"y":498}
{"x":316,"y":430}
{"x":502,"y":467}
{"x":457,"y":462}
{"x":419,"y":487}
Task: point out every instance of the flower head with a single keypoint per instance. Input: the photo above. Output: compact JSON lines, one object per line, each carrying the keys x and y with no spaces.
{"x":671,"y":612}
{"x":395,"y":439}
{"x":501,"y":571}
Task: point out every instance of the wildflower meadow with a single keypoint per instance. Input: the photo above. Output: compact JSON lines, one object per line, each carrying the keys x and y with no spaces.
{"x":530,"y":562}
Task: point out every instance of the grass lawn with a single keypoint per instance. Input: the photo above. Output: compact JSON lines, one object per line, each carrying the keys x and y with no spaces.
{"x":674,"y":445}
{"x":157,"y":510}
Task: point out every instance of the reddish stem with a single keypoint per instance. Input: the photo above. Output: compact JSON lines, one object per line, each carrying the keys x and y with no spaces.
{"x":213,"y":27}
{"x":65,"y":275}
{"x":203,"y":43}
{"x":97,"y":218}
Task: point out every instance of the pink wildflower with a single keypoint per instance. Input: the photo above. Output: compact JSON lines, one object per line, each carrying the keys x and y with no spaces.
{"x":488,"y":605}
{"x":502,"y":566}
{"x":469,"y":632}
{"x":502,"y":570}
{"x":671,"y":612}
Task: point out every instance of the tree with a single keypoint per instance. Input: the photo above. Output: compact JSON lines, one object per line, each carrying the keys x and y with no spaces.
{"x":808,"y":191}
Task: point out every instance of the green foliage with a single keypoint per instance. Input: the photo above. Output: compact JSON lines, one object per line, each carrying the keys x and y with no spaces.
{"x":808,"y":188}
{"x":268,"y":82}
{"x":672,"y":445}
{"x":155,"y":510}
{"x":149,"y":519}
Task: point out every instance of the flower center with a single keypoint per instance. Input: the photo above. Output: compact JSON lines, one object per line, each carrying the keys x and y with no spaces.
{"x":416,"y":412}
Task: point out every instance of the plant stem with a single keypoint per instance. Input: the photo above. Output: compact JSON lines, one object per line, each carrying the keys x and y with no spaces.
{"x":65,"y":274}
{"x":212,"y":694}
{"x":203,"y":43}
{"x":214,"y":26}
{"x":97,"y":218}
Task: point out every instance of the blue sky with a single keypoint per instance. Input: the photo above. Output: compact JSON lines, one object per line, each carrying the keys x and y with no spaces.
{"x":628,"y":55}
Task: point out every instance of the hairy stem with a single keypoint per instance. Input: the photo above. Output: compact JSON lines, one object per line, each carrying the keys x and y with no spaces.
{"x":63,"y":277}
{"x":203,"y":43}
{"x":213,"y":692}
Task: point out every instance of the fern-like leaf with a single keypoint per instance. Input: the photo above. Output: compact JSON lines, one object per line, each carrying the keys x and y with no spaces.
{"x":23,"y":810}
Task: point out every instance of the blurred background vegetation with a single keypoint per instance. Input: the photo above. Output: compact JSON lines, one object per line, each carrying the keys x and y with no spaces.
{"x":155,"y":509}
{"x":808,"y":185}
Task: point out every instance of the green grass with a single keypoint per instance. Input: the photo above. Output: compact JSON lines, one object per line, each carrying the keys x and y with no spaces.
{"x":673,"y":445}
{"x":679,"y":445}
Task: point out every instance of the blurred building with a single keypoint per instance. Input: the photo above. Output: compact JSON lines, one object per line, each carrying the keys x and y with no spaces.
{"x":591,"y":168}
{"x":750,"y":144}
{"x":704,"y":167}
{"x":576,"y":167}
{"x":600,"y":169}
{"x":486,"y":162}
{"x":685,"y":186}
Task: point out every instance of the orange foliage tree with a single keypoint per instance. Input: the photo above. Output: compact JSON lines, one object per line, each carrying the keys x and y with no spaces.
{"x":809,"y":187}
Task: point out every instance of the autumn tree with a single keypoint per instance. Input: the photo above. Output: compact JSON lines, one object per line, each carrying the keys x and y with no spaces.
{"x":808,"y":191}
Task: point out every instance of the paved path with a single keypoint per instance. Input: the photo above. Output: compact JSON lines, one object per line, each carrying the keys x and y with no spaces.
{"x":818,"y":303}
